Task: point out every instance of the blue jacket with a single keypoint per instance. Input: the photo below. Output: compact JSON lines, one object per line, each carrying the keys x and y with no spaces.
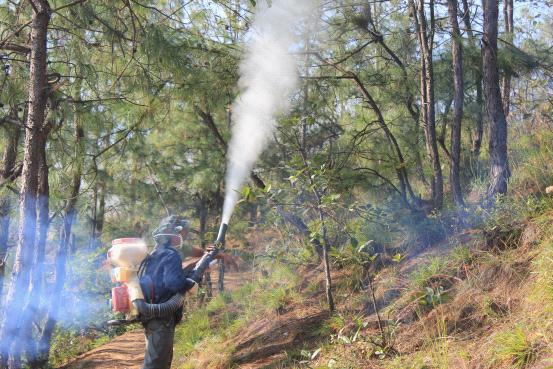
{"x":162,"y":275}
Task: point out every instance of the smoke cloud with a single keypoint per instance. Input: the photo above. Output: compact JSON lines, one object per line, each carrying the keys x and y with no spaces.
{"x":268,"y":78}
{"x":82,"y":302}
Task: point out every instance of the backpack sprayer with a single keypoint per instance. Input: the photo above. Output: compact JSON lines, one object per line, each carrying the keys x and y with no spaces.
{"x":126,"y":255}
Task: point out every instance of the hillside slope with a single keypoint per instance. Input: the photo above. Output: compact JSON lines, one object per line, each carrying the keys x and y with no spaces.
{"x":481,"y":299}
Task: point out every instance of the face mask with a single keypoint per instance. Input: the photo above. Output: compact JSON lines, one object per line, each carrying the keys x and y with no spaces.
{"x":178,"y":246}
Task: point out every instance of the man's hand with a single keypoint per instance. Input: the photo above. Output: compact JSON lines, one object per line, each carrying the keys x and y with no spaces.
{"x":227,"y":259}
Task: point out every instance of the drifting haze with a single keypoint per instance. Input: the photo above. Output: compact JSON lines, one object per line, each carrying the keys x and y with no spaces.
{"x":268,"y":78}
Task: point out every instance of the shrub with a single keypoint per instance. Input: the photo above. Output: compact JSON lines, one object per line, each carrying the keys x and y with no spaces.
{"x":420,"y":276}
{"x":515,"y":347}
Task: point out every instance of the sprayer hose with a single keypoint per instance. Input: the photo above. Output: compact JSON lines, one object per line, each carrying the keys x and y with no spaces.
{"x":161,"y":310}
{"x":170,"y":306}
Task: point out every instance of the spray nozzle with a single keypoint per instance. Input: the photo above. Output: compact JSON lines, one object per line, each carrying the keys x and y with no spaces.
{"x":220,"y":241}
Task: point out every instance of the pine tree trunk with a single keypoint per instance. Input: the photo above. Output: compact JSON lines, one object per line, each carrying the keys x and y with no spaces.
{"x":98,"y":210}
{"x":101,"y":211}
{"x":21,"y":273}
{"x":499,"y":169}
{"x":203,"y":212}
{"x":477,"y":141}
{"x":328,"y":279}
{"x":43,"y":347}
{"x":409,"y":100}
{"x":509,"y":37}
{"x":31,"y":311}
{"x":430,"y":126}
{"x":221,"y":279}
{"x":458,"y":100}
{"x":8,"y":159}
{"x":428,"y":111}
{"x":401,"y":171}
{"x":40,"y":356}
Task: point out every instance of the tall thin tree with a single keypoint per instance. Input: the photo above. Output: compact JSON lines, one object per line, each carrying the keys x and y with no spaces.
{"x":508,"y":20}
{"x":479,"y":131}
{"x":425,"y":33}
{"x":7,"y":172}
{"x":458,"y":100}
{"x":19,"y":281}
{"x":499,"y":167}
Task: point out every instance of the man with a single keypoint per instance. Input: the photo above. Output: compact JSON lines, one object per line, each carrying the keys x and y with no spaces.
{"x":161,"y":277}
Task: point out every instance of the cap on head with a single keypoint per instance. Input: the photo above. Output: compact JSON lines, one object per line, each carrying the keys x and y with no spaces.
{"x":168,"y":228}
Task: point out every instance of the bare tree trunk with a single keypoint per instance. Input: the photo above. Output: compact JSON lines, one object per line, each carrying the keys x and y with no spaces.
{"x":31,"y":311}
{"x":43,"y":346}
{"x":430,"y":126}
{"x":477,"y":140}
{"x":401,"y":171}
{"x":221,"y":279}
{"x":203,"y":212}
{"x":499,"y":168}
{"x":477,"y":143}
{"x":409,"y":100}
{"x":426,"y":41}
{"x":101,"y":210}
{"x":509,"y":37}
{"x":458,"y":100}
{"x":19,"y":282}
{"x":326,"y":262}
{"x":202,"y":215}
{"x":94,"y":210}
{"x":40,"y":356}
{"x":8,"y":159}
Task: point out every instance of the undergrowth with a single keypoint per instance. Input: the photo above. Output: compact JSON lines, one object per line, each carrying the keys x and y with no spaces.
{"x":207,"y":328}
{"x":511,"y":341}
{"x":514,"y":347}
{"x":67,"y":344}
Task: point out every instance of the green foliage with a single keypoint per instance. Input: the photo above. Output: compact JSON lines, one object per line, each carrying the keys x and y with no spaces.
{"x":144,"y":77}
{"x":353,"y":255}
{"x":266,"y":295}
{"x":532,"y":157}
{"x":195,"y":329}
{"x":67,"y":344}
{"x":433,"y":297}
{"x":461,"y":255}
{"x":411,"y":362}
{"x":331,"y":326}
{"x":422,"y":274}
{"x":514,"y":346}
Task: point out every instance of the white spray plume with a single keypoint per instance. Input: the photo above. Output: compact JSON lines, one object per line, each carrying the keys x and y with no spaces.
{"x":268,"y":78}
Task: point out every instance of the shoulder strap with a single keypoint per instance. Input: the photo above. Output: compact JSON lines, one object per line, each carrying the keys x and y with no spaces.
{"x":143,"y":265}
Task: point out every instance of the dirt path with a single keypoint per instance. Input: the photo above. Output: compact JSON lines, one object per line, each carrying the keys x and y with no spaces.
{"x":127,"y":350}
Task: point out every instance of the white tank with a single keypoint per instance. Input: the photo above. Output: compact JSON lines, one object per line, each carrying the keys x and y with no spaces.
{"x":127,"y":252}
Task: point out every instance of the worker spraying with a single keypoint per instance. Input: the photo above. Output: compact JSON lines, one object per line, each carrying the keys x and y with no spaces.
{"x":153,"y":286}
{"x":268,"y":77}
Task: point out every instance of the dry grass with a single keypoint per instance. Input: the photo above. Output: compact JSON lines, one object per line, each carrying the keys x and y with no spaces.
{"x":495,"y":313}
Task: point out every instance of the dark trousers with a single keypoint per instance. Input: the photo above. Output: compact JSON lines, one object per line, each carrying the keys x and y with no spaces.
{"x":159,"y":343}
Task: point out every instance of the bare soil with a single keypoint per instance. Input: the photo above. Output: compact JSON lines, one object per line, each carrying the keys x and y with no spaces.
{"x":124,"y":352}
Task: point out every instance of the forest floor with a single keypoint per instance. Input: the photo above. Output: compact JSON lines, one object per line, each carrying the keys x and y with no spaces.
{"x":475,"y":300}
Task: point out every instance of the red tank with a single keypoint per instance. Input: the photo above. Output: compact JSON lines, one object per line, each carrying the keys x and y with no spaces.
{"x":120,"y":299}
